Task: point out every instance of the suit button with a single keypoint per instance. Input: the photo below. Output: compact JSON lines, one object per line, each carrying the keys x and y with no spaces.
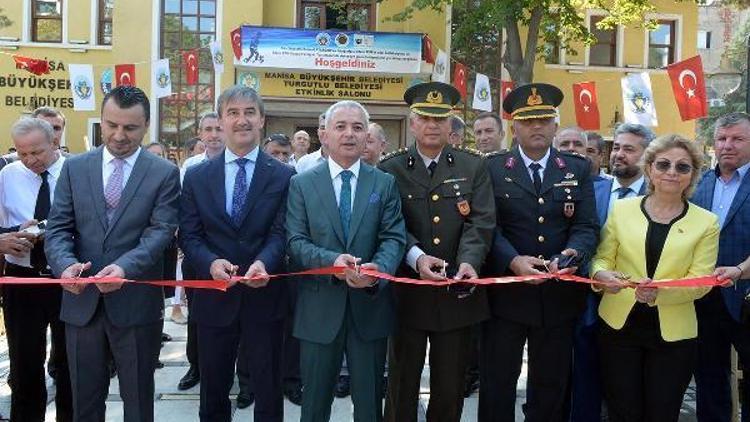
{"x":570,"y":197}
{"x":541,"y":220}
{"x":409,"y":196}
{"x":540,"y":239}
{"x":436,"y":219}
{"x":541,"y":201}
{"x":507,"y":196}
{"x":435,"y":197}
{"x":436,"y":240}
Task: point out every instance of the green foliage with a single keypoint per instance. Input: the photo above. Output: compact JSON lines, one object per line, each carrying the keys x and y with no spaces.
{"x":4,"y":21}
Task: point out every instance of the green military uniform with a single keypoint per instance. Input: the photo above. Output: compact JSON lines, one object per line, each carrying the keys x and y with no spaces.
{"x":449,"y":215}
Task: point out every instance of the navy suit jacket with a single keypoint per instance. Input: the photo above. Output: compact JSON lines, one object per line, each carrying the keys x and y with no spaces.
{"x":207,"y":233}
{"x":734,"y":238}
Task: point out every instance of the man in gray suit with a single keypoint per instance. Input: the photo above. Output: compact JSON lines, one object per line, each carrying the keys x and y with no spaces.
{"x":114,"y":213}
{"x":344,"y":212}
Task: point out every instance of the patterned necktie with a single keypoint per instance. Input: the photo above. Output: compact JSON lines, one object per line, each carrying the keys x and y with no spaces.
{"x":239,"y":193}
{"x":431,"y":168}
{"x":113,"y":190}
{"x":345,"y":201}
{"x":623,"y":192}
{"x":41,"y":212}
{"x":535,"y":167}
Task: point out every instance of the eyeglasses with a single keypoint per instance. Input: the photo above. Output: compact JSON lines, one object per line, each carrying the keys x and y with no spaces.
{"x":663,"y":166}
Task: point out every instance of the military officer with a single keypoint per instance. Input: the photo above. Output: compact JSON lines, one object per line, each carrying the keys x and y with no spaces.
{"x":544,"y":203}
{"x":446,"y":199}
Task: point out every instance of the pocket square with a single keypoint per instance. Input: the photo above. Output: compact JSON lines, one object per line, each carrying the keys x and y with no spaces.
{"x":374,"y":198}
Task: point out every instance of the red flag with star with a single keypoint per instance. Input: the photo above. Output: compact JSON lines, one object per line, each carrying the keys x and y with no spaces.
{"x":236,"y":36}
{"x":125,"y":74}
{"x":428,"y":55}
{"x":35,"y":66}
{"x":459,"y":79}
{"x":586,"y":105}
{"x":505,"y":88}
{"x":190,"y":61}
{"x":689,"y":88}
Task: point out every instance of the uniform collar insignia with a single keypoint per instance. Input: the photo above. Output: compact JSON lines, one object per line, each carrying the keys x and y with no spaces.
{"x":510,"y":162}
{"x":560,"y":162}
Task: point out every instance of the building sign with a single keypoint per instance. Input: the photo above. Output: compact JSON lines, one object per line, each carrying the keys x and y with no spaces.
{"x":26,"y":91}
{"x":328,"y":86}
{"x":331,"y":50}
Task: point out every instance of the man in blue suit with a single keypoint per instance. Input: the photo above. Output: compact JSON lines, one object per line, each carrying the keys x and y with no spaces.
{"x":232,"y":222}
{"x":629,"y":144}
{"x":344,"y":212}
{"x":725,"y":190}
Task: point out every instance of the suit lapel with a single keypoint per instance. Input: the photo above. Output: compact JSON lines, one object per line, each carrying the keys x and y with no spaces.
{"x":97,"y":186}
{"x":261,"y":176}
{"x":217,"y":190}
{"x":521,"y":173}
{"x":324,"y":185}
{"x":140,"y":169}
{"x":418,"y":172}
{"x":365,"y":186}
{"x":739,"y":198}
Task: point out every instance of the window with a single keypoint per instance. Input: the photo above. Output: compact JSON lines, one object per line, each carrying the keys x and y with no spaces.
{"x":106,"y":9}
{"x":330,"y":14}
{"x":604,"y":51}
{"x":186,"y":25}
{"x":46,"y":20}
{"x":704,"y":39}
{"x":551,"y":49}
{"x":661,"y":43}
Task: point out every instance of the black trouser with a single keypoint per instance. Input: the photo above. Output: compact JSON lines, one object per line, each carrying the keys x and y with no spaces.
{"x":191,"y":347}
{"x":644,"y":377}
{"x":291,"y":368}
{"x":28,"y":312}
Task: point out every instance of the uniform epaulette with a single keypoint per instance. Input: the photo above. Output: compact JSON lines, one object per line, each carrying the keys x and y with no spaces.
{"x":468,"y":150}
{"x":395,"y":153}
{"x":495,"y":153}
{"x":574,"y":154}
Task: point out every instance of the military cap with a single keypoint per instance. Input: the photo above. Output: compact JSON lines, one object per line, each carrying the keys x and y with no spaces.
{"x":434,"y":99}
{"x":533,"y":101}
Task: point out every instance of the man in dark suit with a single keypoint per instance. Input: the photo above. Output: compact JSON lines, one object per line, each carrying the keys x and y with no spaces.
{"x":447,"y":203}
{"x":114,"y":213}
{"x":232,"y":222}
{"x":723,"y":312}
{"x":545,"y":207}
{"x":344,"y":213}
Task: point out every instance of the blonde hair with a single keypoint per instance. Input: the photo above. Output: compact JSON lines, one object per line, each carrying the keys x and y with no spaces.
{"x":665,"y":143}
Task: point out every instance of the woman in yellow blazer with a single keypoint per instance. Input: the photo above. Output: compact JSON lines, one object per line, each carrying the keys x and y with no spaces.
{"x":648,"y":339}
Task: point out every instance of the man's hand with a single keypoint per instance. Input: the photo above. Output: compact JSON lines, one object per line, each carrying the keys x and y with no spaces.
{"x":357,"y":280}
{"x":75,"y":271}
{"x":256,"y":276}
{"x":427,"y":266}
{"x":570,"y":270}
{"x":27,"y":224}
{"x":524,"y":265}
{"x":111,"y":270}
{"x":16,"y":244}
{"x":466,"y":272}
{"x":345,"y":260}
{"x":614,"y":281}
{"x":221,"y":269}
{"x":727,"y":275}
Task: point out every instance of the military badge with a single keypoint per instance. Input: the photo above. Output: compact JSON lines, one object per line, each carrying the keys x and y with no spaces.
{"x":569,"y":208}
{"x":434,"y":97}
{"x":463,"y":207}
{"x":510,"y":162}
{"x":560,"y":162}
{"x":569,"y":175}
{"x":449,"y":158}
{"x":534,"y":98}
{"x":410,"y":162}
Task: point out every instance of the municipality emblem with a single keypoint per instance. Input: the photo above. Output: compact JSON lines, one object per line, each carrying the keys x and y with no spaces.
{"x":82,"y":87}
{"x":106,"y":81}
{"x":484,"y":93}
{"x":250,"y":80}
{"x":162,"y":78}
{"x":639,"y":102}
{"x":219,"y":58}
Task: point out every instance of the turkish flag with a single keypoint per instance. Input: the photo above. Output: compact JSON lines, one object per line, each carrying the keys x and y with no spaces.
{"x":125,"y":74}
{"x":459,"y":79}
{"x":586,"y":105}
{"x":505,"y":88}
{"x":190,"y":61}
{"x":35,"y":66}
{"x":428,"y":55}
{"x":236,"y":36}
{"x":689,"y":87}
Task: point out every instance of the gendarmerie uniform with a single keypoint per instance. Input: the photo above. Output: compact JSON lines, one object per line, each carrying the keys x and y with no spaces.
{"x":449,"y":215}
{"x":561,"y":215}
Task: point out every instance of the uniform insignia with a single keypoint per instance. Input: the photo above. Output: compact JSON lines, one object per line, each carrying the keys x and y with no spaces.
{"x":534,"y":98}
{"x":463,"y":207}
{"x":569,"y":175}
{"x":508,"y":179}
{"x":434,"y":97}
{"x":510,"y":162}
{"x":449,"y":158}
{"x":462,"y":179}
{"x":569,"y":208}
{"x":560,"y":162}
{"x":567,"y":183}
{"x":410,"y":161}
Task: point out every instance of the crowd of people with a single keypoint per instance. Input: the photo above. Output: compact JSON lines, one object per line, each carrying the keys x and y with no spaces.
{"x":244,"y":207}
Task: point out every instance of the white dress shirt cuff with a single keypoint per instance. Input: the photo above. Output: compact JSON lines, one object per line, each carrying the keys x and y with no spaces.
{"x":412,"y":256}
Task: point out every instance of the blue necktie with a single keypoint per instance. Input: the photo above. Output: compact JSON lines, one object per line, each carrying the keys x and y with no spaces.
{"x":239,"y":194}
{"x":345,"y":201}
{"x":623,"y":192}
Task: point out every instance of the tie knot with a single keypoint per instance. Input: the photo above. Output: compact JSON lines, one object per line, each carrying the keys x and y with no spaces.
{"x":44,"y":175}
{"x":118,"y":162}
{"x":535,"y":166}
{"x":624,"y":192}
{"x":241,"y":161}
{"x":346,"y":176}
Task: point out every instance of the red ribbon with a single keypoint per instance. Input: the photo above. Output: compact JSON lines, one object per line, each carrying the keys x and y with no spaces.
{"x":705,"y":281}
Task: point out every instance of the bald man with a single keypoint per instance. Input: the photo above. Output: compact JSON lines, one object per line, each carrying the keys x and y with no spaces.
{"x":300,"y":146}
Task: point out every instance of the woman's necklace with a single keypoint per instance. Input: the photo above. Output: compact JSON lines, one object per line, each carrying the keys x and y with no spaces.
{"x":665,"y":215}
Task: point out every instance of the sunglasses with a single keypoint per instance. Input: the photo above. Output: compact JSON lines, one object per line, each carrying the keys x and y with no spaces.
{"x":663,"y":166}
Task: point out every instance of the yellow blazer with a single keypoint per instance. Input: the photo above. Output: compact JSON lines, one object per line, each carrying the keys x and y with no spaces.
{"x":690,"y":250}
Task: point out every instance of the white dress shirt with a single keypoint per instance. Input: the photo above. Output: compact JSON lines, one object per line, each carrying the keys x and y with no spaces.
{"x":108,"y":166}
{"x":19,"y":188}
{"x":309,"y":161}
{"x":337,"y":182}
{"x":528,"y":161}
{"x":190,"y":162}
{"x":635,"y":187}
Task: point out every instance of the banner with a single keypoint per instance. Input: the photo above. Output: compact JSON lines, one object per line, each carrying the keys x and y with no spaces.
{"x":689,"y":87}
{"x":441,"y":67}
{"x":292,"y":48}
{"x":161,"y":79}
{"x":190,"y":61}
{"x":82,"y":87}
{"x":459,"y":79}
{"x":217,"y":57}
{"x":586,"y":105}
{"x":236,"y":38}
{"x":638,"y":99}
{"x":125,"y":74}
{"x":482,"y":93}
{"x":36,"y":66}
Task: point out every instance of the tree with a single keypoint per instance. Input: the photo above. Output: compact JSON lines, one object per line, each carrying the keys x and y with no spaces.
{"x":478,"y":24}
{"x":4,"y":21}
